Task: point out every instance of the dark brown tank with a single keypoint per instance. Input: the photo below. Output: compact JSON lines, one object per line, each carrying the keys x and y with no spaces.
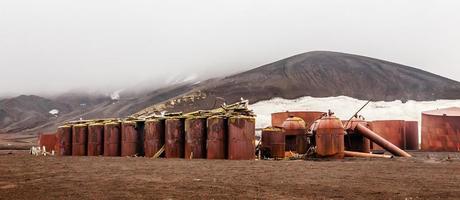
{"x":241,"y":133}
{"x":129,"y":139}
{"x":112,"y":139}
{"x":277,"y":142}
{"x":195,"y":138}
{"x":174,"y":138}
{"x":217,"y":137}
{"x":353,"y":140}
{"x":441,"y":130}
{"x":411,"y":133}
{"x":329,"y":137}
{"x":308,"y":117}
{"x":79,"y":139}
{"x":140,"y":128}
{"x":95,"y":139}
{"x":391,"y":130}
{"x":47,"y":140}
{"x":296,"y":135}
{"x":154,"y":130}
{"x":64,"y":141}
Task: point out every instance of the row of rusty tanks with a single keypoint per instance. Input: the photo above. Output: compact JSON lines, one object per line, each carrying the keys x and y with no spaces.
{"x":441,"y":130}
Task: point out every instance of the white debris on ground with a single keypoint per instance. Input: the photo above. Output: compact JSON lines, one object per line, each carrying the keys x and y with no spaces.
{"x":37,"y":151}
{"x":344,"y":107}
{"x":54,"y":112}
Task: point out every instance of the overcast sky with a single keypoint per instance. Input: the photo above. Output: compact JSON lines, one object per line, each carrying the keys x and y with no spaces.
{"x":50,"y":46}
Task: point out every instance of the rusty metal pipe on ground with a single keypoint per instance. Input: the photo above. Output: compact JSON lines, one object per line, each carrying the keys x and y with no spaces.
{"x":374,"y":137}
{"x":365,"y":155}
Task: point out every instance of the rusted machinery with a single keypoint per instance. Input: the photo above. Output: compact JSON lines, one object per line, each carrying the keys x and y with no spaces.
{"x":112,"y":139}
{"x":273,"y":142}
{"x":95,"y":139}
{"x":129,"y":139}
{"x":174,"y":138}
{"x":309,"y":117}
{"x":353,"y":140}
{"x":241,"y":134}
{"x":295,"y":132}
{"x":411,"y":135}
{"x":195,"y":137}
{"x":64,"y":141}
{"x":79,"y":139}
{"x":329,"y":137}
{"x":154,"y":130}
{"x":441,"y":130}
{"x":374,"y":137}
{"x":217,"y":137}
{"x":391,"y":130}
{"x":47,"y":140}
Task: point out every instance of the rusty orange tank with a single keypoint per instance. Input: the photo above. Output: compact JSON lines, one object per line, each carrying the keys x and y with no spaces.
{"x":308,"y":117}
{"x":129,"y":139}
{"x":217,"y":137}
{"x":64,"y":141}
{"x":241,"y":133}
{"x":411,"y":133}
{"x":195,"y":138}
{"x":391,"y":130}
{"x":441,"y":130}
{"x":329,"y":137}
{"x":112,"y":139}
{"x":79,"y":139}
{"x":353,"y":140}
{"x":174,"y":138}
{"x":47,"y":140}
{"x":95,"y":139}
{"x":296,"y":135}
{"x":277,"y":143}
{"x":154,"y":130}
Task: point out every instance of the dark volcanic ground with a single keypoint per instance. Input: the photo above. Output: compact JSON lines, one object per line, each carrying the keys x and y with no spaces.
{"x":429,"y":176}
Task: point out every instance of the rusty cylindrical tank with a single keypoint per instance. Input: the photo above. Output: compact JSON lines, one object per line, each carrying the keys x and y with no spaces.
{"x":241,"y":133}
{"x":47,"y":140}
{"x":307,"y":116}
{"x":329,"y":137}
{"x":441,"y":130}
{"x":296,"y":135}
{"x":411,"y":133}
{"x":154,"y":138}
{"x":365,"y":155}
{"x":379,"y":140}
{"x":79,"y":140}
{"x":64,"y":141}
{"x":174,"y":138}
{"x":95,"y":139}
{"x":217,"y":137}
{"x":195,"y":137}
{"x":275,"y":141}
{"x":355,"y":141}
{"x":112,"y":139}
{"x":391,"y":130}
{"x":129,"y":139}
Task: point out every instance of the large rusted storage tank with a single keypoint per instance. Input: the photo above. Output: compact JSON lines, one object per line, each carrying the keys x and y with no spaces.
{"x":242,"y":135}
{"x":329,"y":137}
{"x":64,"y":141}
{"x":411,"y":133}
{"x":391,"y":130}
{"x":195,"y":137}
{"x":79,"y":139}
{"x":129,"y":139}
{"x":112,"y":139}
{"x":296,"y":135}
{"x":308,"y":117}
{"x":174,"y":138}
{"x":154,"y":131}
{"x":95,"y":139}
{"x":441,"y":130}
{"x":273,"y":141}
{"x":47,"y":140}
{"x":353,"y":140}
{"x":217,"y":137}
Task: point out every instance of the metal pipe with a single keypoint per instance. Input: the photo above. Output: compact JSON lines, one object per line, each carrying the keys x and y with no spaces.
{"x":365,"y":155}
{"x":374,"y":137}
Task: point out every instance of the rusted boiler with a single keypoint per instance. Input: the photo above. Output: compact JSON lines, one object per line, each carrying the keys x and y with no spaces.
{"x":329,"y":137}
{"x":154,"y":130}
{"x":295,"y":132}
{"x":195,"y":138}
{"x":174,"y":138}
{"x":64,"y":141}
{"x":47,"y":140}
{"x":273,"y":142}
{"x":79,"y":140}
{"x":353,"y":140}
{"x":441,"y":130}
{"x":411,"y":134}
{"x":391,"y":130}
{"x":129,"y":139}
{"x":95,"y":139}
{"x":217,"y":137}
{"x":241,"y":133}
{"x":309,"y":117}
{"x":112,"y":139}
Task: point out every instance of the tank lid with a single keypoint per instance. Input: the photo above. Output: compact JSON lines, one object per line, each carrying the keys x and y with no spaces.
{"x":452,"y":111}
